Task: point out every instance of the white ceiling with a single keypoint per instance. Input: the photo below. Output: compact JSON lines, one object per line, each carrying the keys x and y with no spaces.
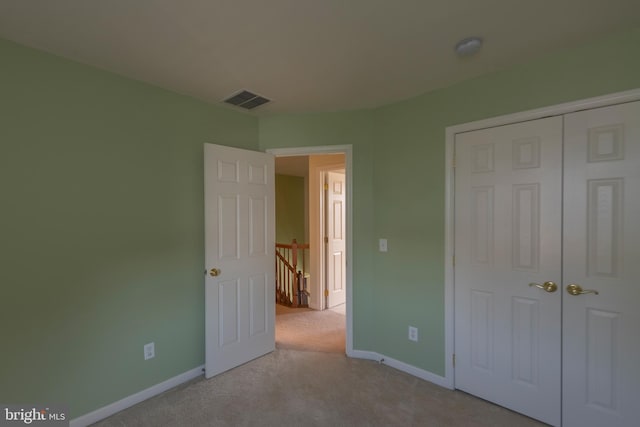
{"x":307,"y":55}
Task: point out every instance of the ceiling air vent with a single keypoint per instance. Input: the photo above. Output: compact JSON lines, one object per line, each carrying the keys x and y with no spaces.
{"x":246,"y":99}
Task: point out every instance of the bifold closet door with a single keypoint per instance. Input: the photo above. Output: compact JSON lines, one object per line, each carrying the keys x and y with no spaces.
{"x":508,"y":251}
{"x":601,"y":332}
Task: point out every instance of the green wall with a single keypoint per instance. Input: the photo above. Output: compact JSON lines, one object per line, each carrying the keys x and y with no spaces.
{"x":102,"y":213}
{"x":399,"y":166}
{"x":101,"y":224}
{"x":289,"y":209}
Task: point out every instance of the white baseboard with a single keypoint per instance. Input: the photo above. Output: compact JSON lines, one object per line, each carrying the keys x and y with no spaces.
{"x":404,"y":367}
{"x":115,"y":407}
{"x":417,"y":372}
{"x":361,"y":354}
{"x":127,"y":402}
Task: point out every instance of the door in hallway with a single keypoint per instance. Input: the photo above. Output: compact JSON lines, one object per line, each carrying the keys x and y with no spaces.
{"x":335,"y":243}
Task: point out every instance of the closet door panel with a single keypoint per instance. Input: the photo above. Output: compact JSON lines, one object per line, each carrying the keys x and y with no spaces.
{"x":601,"y":253}
{"x":507,"y":227}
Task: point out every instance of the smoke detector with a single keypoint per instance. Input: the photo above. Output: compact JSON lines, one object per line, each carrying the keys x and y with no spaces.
{"x":468,"y":46}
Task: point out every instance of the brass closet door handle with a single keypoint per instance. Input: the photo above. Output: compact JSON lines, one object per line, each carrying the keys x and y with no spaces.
{"x":546,"y":286}
{"x":577,"y":290}
{"x":214,"y":272}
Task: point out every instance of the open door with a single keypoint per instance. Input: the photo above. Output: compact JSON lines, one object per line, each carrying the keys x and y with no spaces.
{"x":336,"y":237}
{"x":239,"y":256}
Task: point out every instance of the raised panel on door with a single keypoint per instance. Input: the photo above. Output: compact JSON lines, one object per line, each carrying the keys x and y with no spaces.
{"x":228,"y":312}
{"x":507,"y":235}
{"x":481,"y":355}
{"x":258,"y":304}
{"x":239,"y":249}
{"x":258,"y":226}
{"x":525,"y":321}
{"x":601,"y":379}
{"x":228,"y":226}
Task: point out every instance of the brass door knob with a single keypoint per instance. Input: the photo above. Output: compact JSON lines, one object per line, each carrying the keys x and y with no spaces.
{"x":214,"y":272}
{"x":577,"y":290}
{"x":546,"y":286}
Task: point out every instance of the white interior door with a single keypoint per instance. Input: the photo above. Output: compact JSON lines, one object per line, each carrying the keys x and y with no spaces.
{"x":601,"y":377}
{"x":599,"y":291}
{"x":507,"y":235}
{"x":336,"y":257}
{"x":239,"y":256}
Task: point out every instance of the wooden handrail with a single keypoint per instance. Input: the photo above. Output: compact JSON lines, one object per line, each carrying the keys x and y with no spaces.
{"x":290,"y":289}
{"x":289,"y":246}
{"x":285,"y":262}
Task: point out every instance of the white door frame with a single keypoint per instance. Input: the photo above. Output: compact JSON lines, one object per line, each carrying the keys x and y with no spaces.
{"x":318,"y":166}
{"x":347,"y":150}
{"x":451,"y":131}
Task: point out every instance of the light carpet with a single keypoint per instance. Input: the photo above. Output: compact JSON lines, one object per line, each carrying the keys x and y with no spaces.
{"x":310,"y":330}
{"x":304,"y":388}
{"x":307,"y":382}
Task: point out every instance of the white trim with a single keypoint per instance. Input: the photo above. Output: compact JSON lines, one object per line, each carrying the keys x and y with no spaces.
{"x":450,"y":134}
{"x":401,"y":366}
{"x":134,"y":399}
{"x":317,"y":224}
{"x":308,"y":151}
{"x":449,"y":300}
{"x":366,"y":355}
{"x":348,"y":163}
{"x":554,"y":110}
{"x":416,"y":372}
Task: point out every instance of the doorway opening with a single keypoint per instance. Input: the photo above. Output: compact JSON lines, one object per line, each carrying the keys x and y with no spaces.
{"x":312,"y":208}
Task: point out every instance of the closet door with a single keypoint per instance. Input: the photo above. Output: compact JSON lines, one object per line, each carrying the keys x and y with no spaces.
{"x":508,"y":237}
{"x":601,"y":253}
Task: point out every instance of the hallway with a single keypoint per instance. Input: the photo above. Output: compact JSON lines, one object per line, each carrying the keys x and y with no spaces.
{"x":311,"y":330}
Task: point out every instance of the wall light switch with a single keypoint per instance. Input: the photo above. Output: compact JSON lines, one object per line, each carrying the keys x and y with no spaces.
{"x":413,"y":333}
{"x":382,"y":244}
{"x":149,"y":351}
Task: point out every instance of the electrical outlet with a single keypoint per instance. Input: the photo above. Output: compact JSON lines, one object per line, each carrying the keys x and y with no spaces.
{"x":149,"y":351}
{"x":382,"y":245}
{"x":413,"y":333}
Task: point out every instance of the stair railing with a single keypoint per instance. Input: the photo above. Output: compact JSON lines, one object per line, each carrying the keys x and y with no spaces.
{"x":290,"y":283}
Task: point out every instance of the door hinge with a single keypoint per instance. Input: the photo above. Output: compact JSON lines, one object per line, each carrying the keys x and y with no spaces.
{"x":326,"y":186}
{"x":326,"y":240}
{"x":454,"y":360}
{"x":326,"y":292}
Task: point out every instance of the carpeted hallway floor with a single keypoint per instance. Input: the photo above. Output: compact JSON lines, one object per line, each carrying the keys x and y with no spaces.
{"x":299,"y":387}
{"x":310,"y":330}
